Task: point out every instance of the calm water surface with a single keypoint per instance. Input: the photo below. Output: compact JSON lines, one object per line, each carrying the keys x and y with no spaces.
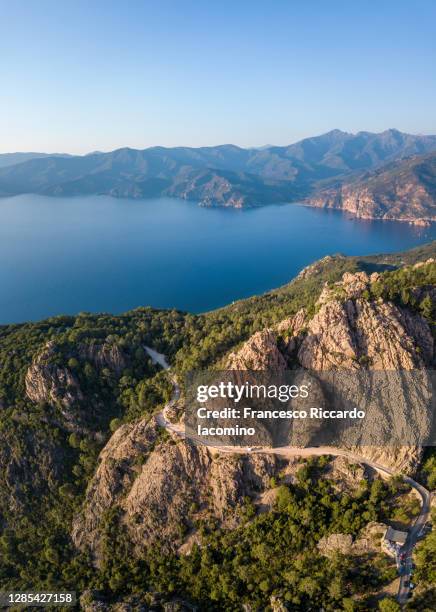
{"x":65,"y":255}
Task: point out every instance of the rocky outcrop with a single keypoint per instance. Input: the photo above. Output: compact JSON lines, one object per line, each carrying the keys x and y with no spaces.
{"x":104,"y":355}
{"x":293,"y":326}
{"x":161,"y":487}
{"x":368,"y":542}
{"x":47,"y":381}
{"x":158,"y":486}
{"x":346,"y":476}
{"x":119,"y":463}
{"x":156,"y":508}
{"x":348,"y":329}
{"x":319,"y":265}
{"x":233,"y":478}
{"x":260,"y":353}
{"x":350,"y":333}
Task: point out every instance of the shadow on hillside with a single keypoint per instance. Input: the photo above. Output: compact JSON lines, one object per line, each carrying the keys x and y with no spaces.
{"x":369,"y":266}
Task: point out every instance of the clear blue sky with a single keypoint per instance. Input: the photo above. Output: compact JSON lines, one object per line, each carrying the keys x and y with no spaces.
{"x":77,"y":76}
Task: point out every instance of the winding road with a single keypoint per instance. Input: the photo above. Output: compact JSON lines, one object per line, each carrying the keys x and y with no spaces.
{"x":414,"y":530}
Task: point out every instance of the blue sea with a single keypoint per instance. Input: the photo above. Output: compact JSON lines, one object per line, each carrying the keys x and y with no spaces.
{"x":97,"y":253}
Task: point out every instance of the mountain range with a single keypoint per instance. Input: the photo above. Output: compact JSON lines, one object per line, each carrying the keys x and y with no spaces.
{"x":10,"y":159}
{"x":224,"y":175}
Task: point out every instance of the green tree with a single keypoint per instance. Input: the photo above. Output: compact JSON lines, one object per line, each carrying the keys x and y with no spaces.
{"x":388,"y":605}
{"x":426,"y":307}
{"x":114,"y":424}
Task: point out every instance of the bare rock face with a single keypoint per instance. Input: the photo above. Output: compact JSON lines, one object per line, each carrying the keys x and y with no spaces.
{"x":330,"y":341}
{"x":158,"y":503}
{"x":368,"y":542}
{"x":350,"y":333}
{"x":115,"y":474}
{"x":350,"y":328}
{"x":47,"y":382}
{"x":346,"y":476}
{"x":293,"y":326}
{"x":233,"y":478}
{"x":106,"y":355}
{"x":346,"y":330}
{"x":403,"y":191}
{"x":157,"y":486}
{"x":161,"y":486}
{"x":260,"y":352}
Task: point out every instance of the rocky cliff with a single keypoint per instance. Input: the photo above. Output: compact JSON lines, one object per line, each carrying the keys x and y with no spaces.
{"x":48,"y":382}
{"x":346,"y":328}
{"x":161,"y":486}
{"x":405,"y":191}
{"x":352,"y":333}
{"x":53,"y":378}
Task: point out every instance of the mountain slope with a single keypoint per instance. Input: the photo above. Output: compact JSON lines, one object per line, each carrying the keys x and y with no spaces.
{"x":97,"y":498}
{"x":144,"y":174}
{"x":224,"y":175}
{"x":10,"y":159}
{"x":338,"y":150}
{"x":404,"y":190}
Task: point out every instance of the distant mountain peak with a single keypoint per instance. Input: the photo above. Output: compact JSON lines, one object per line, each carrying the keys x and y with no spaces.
{"x":337,"y":132}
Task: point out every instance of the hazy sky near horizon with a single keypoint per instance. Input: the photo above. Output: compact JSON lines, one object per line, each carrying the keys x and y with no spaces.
{"x":78,"y":76}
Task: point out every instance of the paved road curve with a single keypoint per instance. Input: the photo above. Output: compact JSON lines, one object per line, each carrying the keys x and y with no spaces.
{"x":415,"y":529}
